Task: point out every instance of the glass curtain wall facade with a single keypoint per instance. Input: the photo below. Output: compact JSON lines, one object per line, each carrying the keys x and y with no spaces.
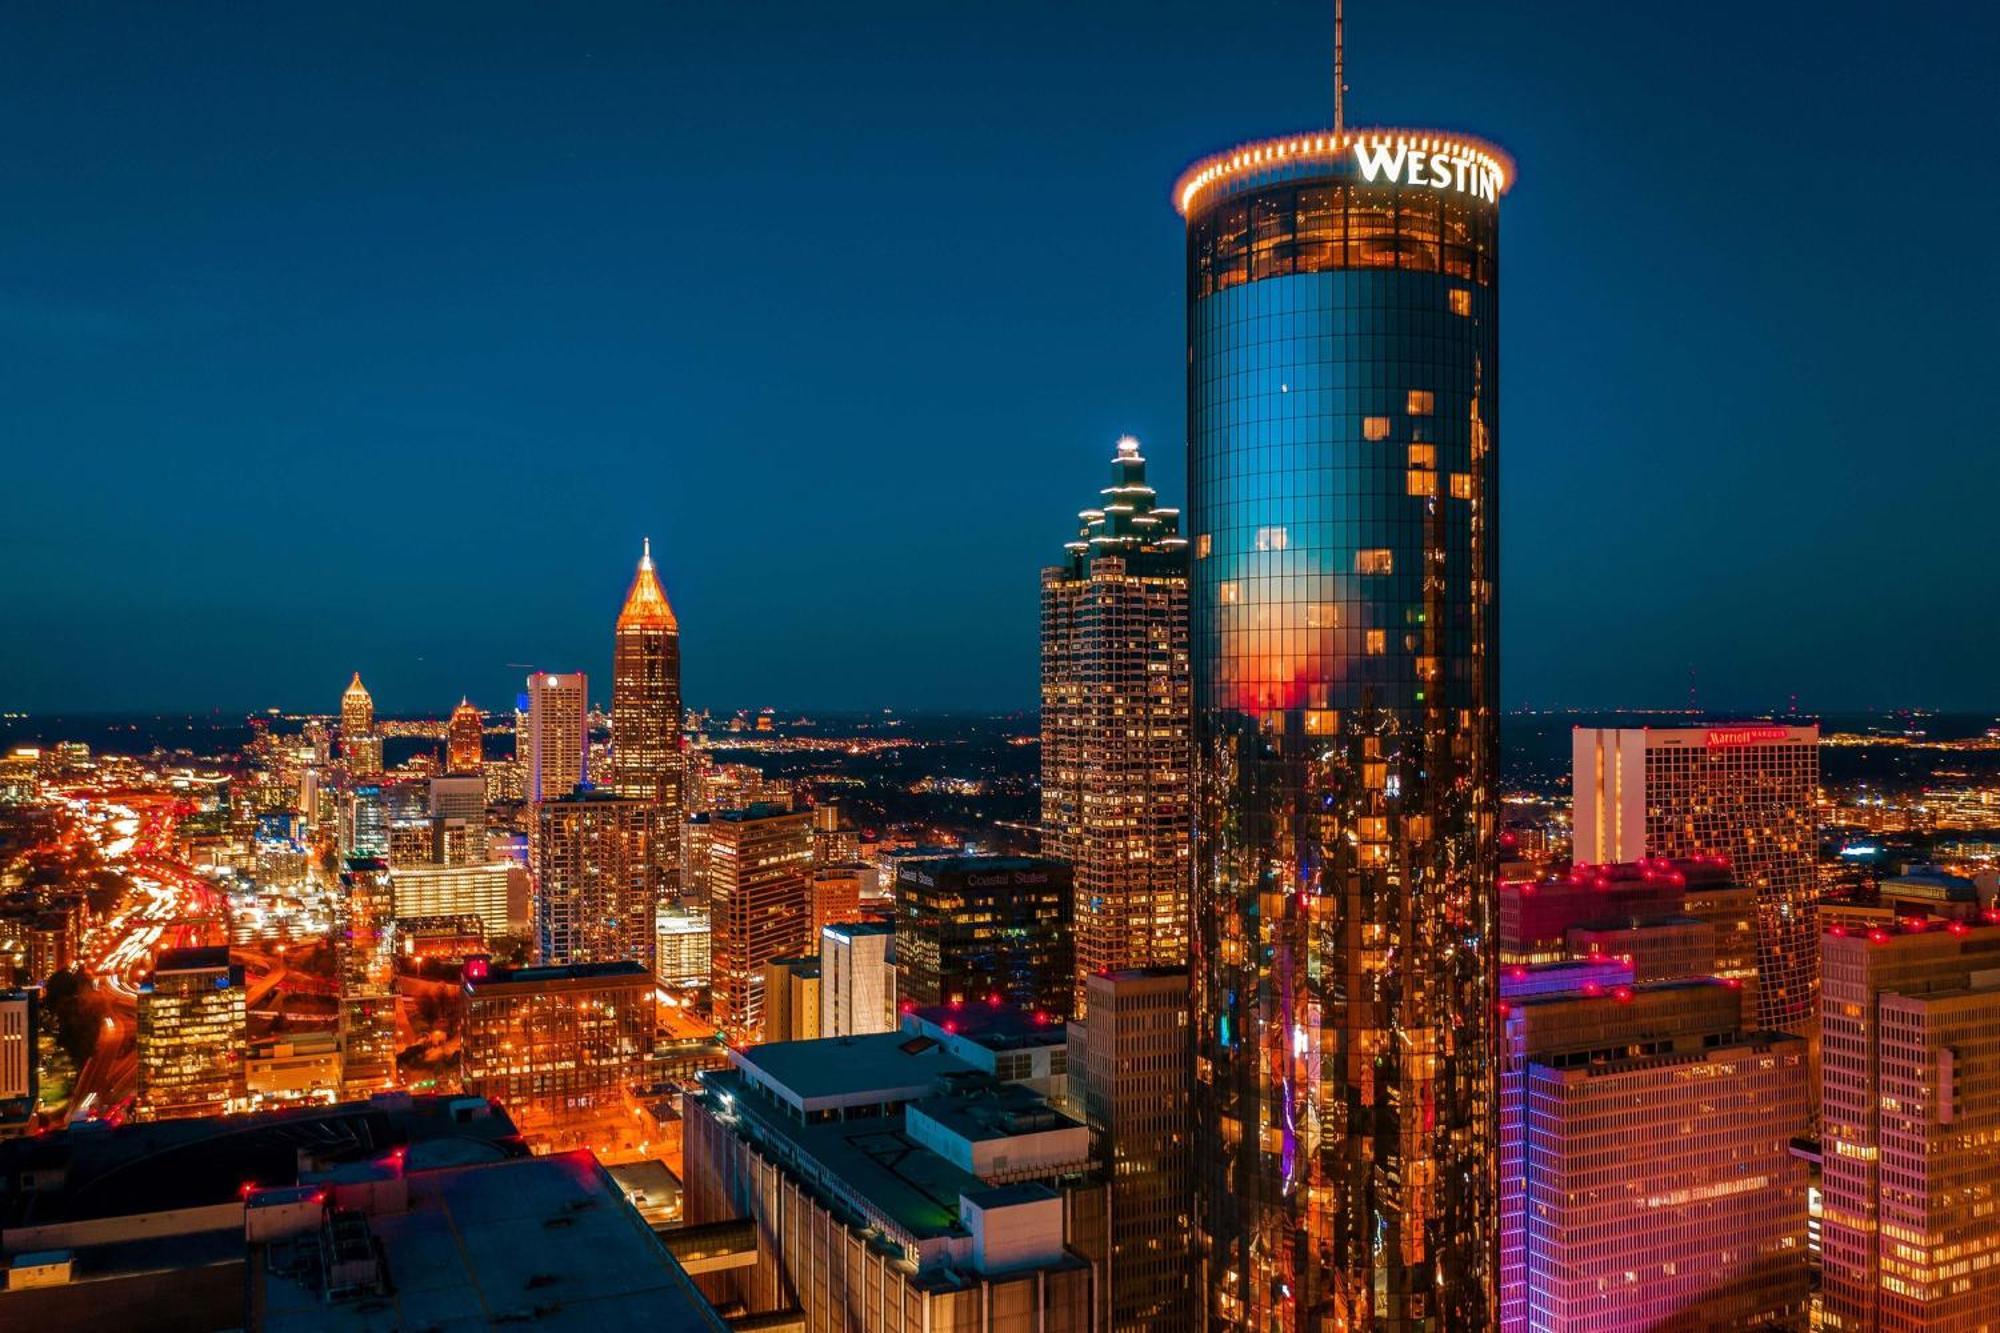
{"x":1343,"y":409}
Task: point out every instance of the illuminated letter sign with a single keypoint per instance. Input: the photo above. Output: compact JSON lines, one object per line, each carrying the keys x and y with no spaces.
{"x":1747,"y":736}
{"x":1440,"y":169}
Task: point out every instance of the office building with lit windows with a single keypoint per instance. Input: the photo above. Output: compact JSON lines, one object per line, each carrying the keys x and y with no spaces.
{"x":974,"y":929}
{"x":646,"y":760}
{"x":454,"y":891}
{"x":556,"y":1045}
{"x":1116,"y":786}
{"x":364,"y":821}
{"x":694,"y":859}
{"x":835,"y":841}
{"x":836,"y":893}
{"x":1343,"y":472}
{"x":1744,"y":792}
{"x":19,"y":1068}
{"x":1910,"y":1120}
{"x":555,"y":749}
{"x":192,"y":1035}
{"x":759,"y":906}
{"x":595,"y":900}
{"x":682,"y":941}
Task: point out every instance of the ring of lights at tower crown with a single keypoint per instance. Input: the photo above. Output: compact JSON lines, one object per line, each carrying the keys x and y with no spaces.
{"x":1435,"y":158}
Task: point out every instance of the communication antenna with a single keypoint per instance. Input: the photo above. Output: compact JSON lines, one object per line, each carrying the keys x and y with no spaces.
{"x":1339,"y":68}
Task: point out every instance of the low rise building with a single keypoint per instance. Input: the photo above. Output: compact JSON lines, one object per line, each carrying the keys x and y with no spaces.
{"x":791,"y":999}
{"x":303,"y":1066}
{"x":397,"y":1212}
{"x":557,"y":1046}
{"x":893,"y":1186}
{"x":1012,"y":1045}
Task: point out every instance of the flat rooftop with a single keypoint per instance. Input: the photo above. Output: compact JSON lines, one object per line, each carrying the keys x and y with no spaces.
{"x":841,"y":1071}
{"x":170,"y":1164}
{"x":625,"y":969}
{"x":208,"y":959}
{"x":547,"y":1240}
{"x":1935,"y":885}
{"x":757,"y":810}
{"x":1756,"y":1042}
{"x":871,"y":1159}
{"x":1622,"y":993}
{"x":997,"y":1027}
{"x":961,"y":863}
{"x":1001,"y":1111}
{"x":858,"y":929}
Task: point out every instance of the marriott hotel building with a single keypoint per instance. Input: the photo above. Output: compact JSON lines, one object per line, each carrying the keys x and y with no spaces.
{"x":1343,"y":432}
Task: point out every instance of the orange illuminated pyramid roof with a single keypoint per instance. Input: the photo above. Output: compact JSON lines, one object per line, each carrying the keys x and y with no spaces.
{"x":646,"y":605}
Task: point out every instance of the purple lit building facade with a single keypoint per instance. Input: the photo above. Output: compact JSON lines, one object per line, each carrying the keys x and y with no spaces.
{"x":1646,"y":1174}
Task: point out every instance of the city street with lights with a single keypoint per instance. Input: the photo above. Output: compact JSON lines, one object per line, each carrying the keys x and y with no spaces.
{"x":168,"y":906}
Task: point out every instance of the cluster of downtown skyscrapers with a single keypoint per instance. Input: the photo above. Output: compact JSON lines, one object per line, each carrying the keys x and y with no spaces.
{"x":1424,"y":1096}
{"x":1348,"y":1066}
{"x":1316,"y":1050}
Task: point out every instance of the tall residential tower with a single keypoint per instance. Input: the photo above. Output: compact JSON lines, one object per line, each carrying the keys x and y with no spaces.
{"x":1343,"y":428}
{"x":646,"y":718}
{"x":1115,"y":757}
{"x":558,"y":745}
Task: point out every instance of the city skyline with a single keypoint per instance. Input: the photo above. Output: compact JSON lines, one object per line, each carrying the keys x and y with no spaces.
{"x":530,"y":262}
{"x":1269,"y":973}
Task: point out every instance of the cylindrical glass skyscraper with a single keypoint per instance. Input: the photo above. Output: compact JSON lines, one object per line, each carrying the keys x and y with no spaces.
{"x":1343,"y":410}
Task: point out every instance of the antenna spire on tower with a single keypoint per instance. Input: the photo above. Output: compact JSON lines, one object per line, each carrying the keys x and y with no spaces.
{"x":1339,"y":68}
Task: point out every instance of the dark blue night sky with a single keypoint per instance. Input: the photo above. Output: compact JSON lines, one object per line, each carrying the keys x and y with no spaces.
{"x":349,"y":336}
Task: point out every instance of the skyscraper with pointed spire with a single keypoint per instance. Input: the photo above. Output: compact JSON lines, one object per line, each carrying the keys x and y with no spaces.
{"x":646,"y":717}
{"x":465,"y":739}
{"x":359,"y":744}
{"x":1115,"y":726}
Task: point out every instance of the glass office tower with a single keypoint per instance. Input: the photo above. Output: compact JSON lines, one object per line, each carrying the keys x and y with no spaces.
{"x":1343,"y":408}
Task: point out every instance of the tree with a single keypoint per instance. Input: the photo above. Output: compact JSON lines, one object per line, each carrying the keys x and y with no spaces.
{"x":75,"y":1008}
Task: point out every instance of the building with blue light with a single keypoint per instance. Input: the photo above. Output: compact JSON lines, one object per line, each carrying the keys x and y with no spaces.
{"x":1343,"y":431}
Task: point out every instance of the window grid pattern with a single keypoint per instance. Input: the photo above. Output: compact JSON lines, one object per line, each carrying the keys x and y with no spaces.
{"x":1345,"y":733}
